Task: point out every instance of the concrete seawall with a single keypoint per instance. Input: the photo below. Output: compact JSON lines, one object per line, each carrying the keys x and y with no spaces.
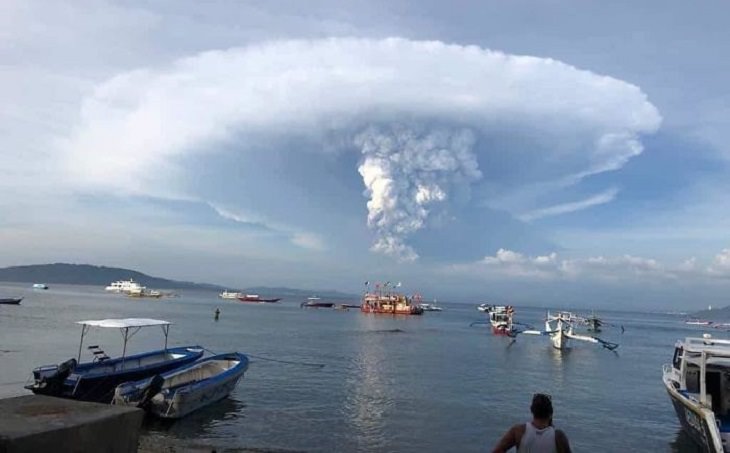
{"x":35,"y":423}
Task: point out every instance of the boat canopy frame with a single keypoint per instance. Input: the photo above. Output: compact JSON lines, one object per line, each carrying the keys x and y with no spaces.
{"x":128,"y":328}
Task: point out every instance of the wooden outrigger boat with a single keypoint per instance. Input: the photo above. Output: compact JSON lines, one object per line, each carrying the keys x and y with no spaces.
{"x":177,"y":393}
{"x":559,"y":327}
{"x":390,"y":303}
{"x":96,"y":380}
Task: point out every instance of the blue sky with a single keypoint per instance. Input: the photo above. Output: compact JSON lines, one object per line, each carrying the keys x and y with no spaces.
{"x":571,"y":152}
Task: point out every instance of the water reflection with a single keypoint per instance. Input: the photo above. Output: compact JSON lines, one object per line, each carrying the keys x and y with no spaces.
{"x":201,"y":423}
{"x":368,"y":387}
{"x":684,"y":444}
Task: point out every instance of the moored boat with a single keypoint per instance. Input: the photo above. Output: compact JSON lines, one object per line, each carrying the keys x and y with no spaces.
{"x":40,"y":286}
{"x":179,"y":392}
{"x":390,"y":303}
{"x":256,"y":298}
{"x":229,"y":295}
{"x":698,"y":383}
{"x":124,"y":286}
{"x":316,"y":302}
{"x":144,"y":292}
{"x":698,"y":322}
{"x":430,"y":307}
{"x":500,"y":318}
{"x":97,"y":379}
{"x":10,"y":300}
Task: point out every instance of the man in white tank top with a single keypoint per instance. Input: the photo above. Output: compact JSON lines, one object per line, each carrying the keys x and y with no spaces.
{"x":537,"y":436}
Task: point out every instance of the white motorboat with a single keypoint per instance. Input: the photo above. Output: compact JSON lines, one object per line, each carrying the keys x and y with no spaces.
{"x":125,"y":286}
{"x":229,"y":295}
{"x":698,"y":383}
{"x":431,"y":307}
{"x":484,"y":307}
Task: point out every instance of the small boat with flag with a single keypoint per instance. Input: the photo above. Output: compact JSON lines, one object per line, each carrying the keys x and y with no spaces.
{"x":10,"y":300}
{"x":97,"y":379}
{"x":698,"y":383}
{"x":255,"y":298}
{"x":177,"y":393}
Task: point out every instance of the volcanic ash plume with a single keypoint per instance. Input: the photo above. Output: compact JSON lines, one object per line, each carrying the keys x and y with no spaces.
{"x":409,"y":175}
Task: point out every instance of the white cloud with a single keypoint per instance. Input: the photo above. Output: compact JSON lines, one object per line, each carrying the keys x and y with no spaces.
{"x":564,"y":208}
{"x":550,"y":267}
{"x":136,"y":128}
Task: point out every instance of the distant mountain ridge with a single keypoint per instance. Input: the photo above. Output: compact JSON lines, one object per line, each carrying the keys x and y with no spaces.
{"x":87,"y":274}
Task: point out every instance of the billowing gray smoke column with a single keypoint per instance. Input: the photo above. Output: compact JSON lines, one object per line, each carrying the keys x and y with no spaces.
{"x":410,"y":172}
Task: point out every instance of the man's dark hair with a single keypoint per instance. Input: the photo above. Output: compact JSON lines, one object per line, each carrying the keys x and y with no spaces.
{"x":541,"y":406}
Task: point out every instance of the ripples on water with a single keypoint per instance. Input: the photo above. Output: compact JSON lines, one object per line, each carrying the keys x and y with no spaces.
{"x":428,"y":383}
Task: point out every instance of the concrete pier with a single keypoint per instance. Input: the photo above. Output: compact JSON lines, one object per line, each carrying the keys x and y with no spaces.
{"x":35,"y":423}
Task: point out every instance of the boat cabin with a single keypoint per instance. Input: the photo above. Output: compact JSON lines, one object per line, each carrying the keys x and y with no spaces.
{"x":701,"y":372}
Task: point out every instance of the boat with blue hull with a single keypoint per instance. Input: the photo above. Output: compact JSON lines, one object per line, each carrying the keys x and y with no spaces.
{"x":179,"y":392}
{"x":698,"y":383}
{"x":97,"y":379}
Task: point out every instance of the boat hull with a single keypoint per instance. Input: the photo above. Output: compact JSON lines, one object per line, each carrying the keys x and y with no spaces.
{"x":10,"y":301}
{"x":699,"y":424}
{"x":501,"y":330}
{"x":189,"y":392}
{"x":317,"y":304}
{"x":96,"y":381}
{"x":411,"y":310}
{"x":256,"y":301}
{"x":559,"y":339}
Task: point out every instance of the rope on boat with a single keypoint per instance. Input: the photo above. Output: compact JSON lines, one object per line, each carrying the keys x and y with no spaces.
{"x":288,"y":362}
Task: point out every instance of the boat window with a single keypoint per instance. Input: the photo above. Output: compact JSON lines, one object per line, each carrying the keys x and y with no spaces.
{"x":677,"y":360}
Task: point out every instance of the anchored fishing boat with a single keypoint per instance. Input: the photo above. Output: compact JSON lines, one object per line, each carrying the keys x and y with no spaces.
{"x":229,"y":295}
{"x":559,"y":327}
{"x":177,"y":393}
{"x":10,"y":300}
{"x":256,"y":298}
{"x":316,"y":302}
{"x":698,"y":383}
{"x":40,"y":286}
{"x":390,"y":303}
{"x":96,"y":380}
{"x":500,"y":317}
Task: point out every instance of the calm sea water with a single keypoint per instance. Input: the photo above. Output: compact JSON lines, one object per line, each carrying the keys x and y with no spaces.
{"x":421,"y":383}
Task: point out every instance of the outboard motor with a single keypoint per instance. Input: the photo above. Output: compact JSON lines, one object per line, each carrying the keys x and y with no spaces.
{"x":150,"y":390}
{"x":52,"y":384}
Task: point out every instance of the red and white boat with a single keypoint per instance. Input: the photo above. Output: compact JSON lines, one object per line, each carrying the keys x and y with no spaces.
{"x":390,"y":303}
{"x":500,"y":317}
{"x":255,"y":298}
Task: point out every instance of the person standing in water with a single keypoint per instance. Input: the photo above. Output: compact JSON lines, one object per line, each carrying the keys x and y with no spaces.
{"x":538,"y":435}
{"x":217,"y":313}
